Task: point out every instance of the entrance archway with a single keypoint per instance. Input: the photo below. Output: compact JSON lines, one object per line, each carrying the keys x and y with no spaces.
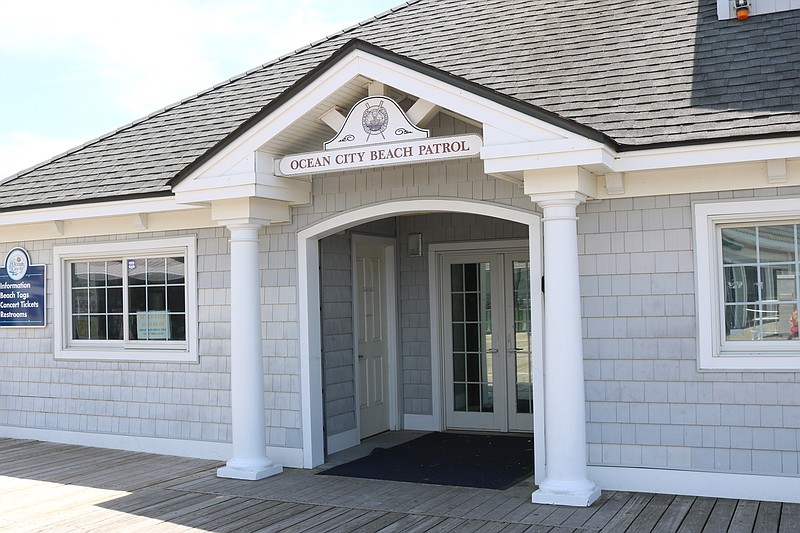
{"x":308,"y":261}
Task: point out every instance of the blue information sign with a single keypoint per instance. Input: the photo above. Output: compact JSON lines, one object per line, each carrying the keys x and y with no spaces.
{"x":22,"y":291}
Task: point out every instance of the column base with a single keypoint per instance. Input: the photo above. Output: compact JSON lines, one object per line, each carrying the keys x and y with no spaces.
{"x":580,"y":494}
{"x":250,"y":472}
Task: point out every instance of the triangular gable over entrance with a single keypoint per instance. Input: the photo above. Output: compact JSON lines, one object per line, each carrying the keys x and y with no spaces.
{"x":309,"y":114}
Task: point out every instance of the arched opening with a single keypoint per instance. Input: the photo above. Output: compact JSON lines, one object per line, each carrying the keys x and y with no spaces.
{"x":310,"y":300}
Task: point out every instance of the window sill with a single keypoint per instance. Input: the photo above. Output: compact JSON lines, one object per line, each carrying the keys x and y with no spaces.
{"x":128,"y":356}
{"x":747,"y":362}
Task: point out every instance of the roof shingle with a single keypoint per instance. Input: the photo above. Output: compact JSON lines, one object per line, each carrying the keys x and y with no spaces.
{"x":639,"y":73}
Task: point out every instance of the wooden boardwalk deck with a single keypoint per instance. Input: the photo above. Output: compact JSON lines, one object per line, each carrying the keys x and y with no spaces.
{"x":61,"y":488}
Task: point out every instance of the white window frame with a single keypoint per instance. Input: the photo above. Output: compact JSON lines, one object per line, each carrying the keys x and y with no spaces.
{"x":714,"y":353}
{"x":142,"y":351}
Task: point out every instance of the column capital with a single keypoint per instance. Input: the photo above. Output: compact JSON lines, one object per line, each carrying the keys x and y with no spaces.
{"x":249,"y":210}
{"x":244,"y":230}
{"x":559,"y":199}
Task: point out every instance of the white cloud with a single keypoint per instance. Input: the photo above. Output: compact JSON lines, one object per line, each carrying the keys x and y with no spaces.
{"x":90,"y":66}
{"x":150,"y":53}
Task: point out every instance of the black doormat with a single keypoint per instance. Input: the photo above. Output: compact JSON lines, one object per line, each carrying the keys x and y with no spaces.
{"x":480,"y":461}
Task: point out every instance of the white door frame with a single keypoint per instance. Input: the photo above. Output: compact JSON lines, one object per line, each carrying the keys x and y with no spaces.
{"x":437,"y":253}
{"x":390,"y":280}
{"x":313,"y":450}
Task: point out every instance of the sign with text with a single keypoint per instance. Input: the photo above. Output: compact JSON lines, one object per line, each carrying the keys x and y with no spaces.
{"x":22,"y":291}
{"x":152,"y":325}
{"x":397,"y":153}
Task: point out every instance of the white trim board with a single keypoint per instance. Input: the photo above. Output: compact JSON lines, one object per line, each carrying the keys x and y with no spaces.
{"x":343,"y":441}
{"x":693,"y":483}
{"x":197,"y":449}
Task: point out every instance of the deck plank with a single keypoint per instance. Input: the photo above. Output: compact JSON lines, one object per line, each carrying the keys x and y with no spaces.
{"x":652,"y":513}
{"x":697,"y":516}
{"x":744,"y":518}
{"x":628,"y":513}
{"x":790,"y":518}
{"x":608,"y":510}
{"x":768,"y":517}
{"x":721,"y":515}
{"x":675,"y":514}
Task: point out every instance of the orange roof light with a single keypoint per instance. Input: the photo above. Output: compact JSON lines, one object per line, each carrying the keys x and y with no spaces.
{"x":742,"y":9}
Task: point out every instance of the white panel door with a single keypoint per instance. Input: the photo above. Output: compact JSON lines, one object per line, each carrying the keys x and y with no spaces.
{"x":372,"y":335}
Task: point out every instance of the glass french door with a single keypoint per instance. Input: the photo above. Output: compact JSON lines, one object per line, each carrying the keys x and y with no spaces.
{"x":487,"y":341}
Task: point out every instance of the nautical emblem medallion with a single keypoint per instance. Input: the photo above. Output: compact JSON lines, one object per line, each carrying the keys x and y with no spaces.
{"x":17,"y":264}
{"x":375,"y":120}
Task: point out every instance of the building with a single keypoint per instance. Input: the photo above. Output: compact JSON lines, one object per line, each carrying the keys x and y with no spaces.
{"x":574,"y":218}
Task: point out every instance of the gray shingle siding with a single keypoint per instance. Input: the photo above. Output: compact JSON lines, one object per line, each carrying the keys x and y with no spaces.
{"x":647,"y":405}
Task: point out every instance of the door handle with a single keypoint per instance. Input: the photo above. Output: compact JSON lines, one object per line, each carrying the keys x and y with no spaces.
{"x":493,"y":350}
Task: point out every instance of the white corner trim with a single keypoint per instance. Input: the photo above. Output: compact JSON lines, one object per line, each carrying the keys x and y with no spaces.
{"x":421,"y":423}
{"x":343,"y":441}
{"x":694,"y":483}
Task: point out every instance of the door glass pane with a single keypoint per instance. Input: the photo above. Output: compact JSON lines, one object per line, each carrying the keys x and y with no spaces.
{"x":522,"y":336}
{"x":473,"y":386}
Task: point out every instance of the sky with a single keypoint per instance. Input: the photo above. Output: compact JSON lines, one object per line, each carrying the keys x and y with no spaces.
{"x":72,"y":71}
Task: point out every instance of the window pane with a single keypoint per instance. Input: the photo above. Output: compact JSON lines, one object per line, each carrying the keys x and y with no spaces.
{"x":97,"y":327}
{"x":738,"y":245}
{"x":776,"y":244}
{"x":741,"y":284}
{"x":456,"y":278}
{"x":114,"y":302}
{"x":156,"y":298}
{"x":80,"y":327}
{"x":80,"y":274}
{"x":97,"y":300}
{"x":137,"y":271}
{"x":176,"y":299}
{"x":114,"y":273}
{"x":177,"y":327}
{"x":137,"y":299}
{"x":97,"y":274}
{"x":156,"y":271}
{"x":176,"y":270}
{"x":115,"y":327}
{"x":80,"y":301}
{"x":760,"y":282}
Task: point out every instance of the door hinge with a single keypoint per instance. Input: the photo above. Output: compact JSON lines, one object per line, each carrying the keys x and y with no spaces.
{"x":542,"y":284}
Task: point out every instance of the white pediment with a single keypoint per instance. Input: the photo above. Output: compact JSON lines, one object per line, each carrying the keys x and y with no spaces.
{"x":296,"y":126}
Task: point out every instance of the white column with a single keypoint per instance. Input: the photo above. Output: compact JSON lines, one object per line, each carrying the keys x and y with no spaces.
{"x":566,"y":481}
{"x":249,"y":459}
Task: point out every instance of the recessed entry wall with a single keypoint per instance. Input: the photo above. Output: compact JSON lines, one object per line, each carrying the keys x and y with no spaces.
{"x":416,"y":396}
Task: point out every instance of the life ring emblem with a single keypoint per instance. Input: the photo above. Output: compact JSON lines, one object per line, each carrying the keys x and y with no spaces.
{"x":375,"y":120}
